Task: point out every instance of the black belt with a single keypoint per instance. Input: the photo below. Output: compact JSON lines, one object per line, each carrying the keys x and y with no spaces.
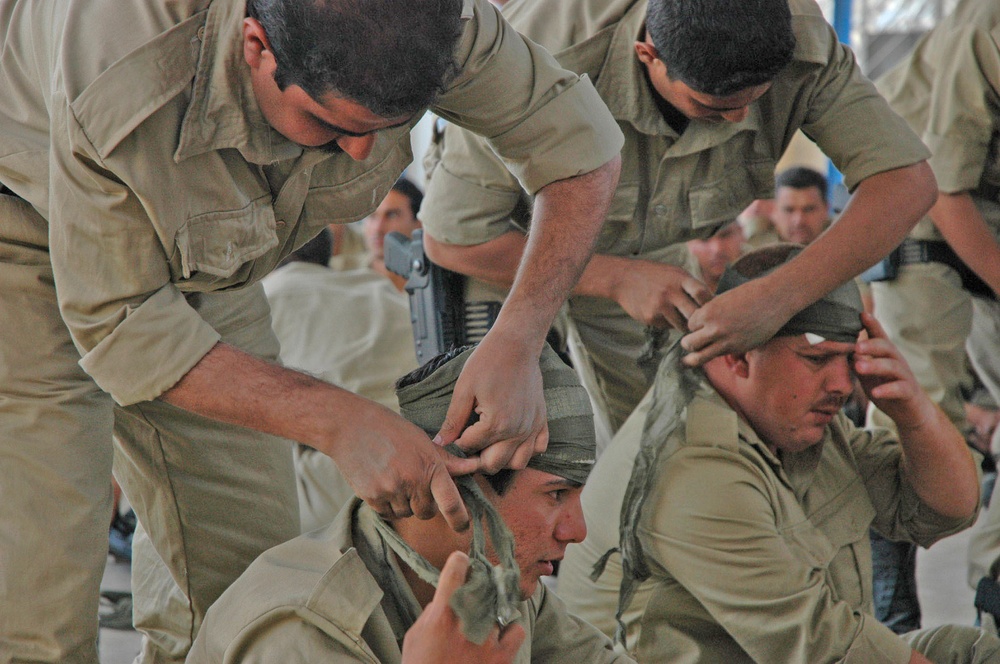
{"x":911,"y":252}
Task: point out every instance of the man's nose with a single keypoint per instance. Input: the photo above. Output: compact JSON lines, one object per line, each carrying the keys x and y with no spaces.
{"x":380,"y":222}
{"x":572,"y":527}
{"x":358,"y":147}
{"x":840,"y":379}
{"x":736,"y":115}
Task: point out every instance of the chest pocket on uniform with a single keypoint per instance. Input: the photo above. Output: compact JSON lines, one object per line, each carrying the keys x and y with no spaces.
{"x":835,"y":537}
{"x":219,"y":243}
{"x":720,"y":200}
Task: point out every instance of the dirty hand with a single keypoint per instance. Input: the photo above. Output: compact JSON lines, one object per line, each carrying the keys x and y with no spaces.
{"x":733,"y":322}
{"x":436,"y":636}
{"x":502,"y":384}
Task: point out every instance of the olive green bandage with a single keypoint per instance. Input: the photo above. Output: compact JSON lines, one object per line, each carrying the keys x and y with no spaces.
{"x":491,"y":593}
{"x":571,"y":452}
{"x":836,"y":316}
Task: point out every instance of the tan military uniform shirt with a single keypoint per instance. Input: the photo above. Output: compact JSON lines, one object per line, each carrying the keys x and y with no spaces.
{"x":767,"y":560}
{"x":948,"y":90}
{"x":159,"y":176}
{"x":673,"y":187}
{"x":334,"y":595}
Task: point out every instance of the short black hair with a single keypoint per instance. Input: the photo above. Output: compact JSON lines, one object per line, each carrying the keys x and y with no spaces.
{"x":317,"y":250}
{"x":721,"y":47}
{"x":801,"y":177}
{"x":393,"y":57}
{"x":411,"y":191}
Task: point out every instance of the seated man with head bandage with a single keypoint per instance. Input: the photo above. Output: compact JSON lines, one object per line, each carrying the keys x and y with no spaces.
{"x":363,"y":588}
{"x":744,"y":526}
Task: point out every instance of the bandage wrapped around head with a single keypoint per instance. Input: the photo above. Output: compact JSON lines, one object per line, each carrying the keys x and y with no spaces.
{"x":491,"y":593}
{"x":571,"y":451}
{"x":835,"y":317}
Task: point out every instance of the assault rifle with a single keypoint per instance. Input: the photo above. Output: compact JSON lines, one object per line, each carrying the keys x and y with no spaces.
{"x":440,"y":316}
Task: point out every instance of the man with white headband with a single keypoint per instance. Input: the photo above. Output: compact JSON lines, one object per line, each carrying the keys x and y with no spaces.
{"x":744,"y":527}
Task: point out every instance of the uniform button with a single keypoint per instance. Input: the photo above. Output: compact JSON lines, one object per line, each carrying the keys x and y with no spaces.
{"x":660,"y":210}
{"x":280,"y":223}
{"x":201,"y":33}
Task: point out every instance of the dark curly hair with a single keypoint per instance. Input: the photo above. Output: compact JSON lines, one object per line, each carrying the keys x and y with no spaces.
{"x":721,"y":47}
{"x":394,"y":57}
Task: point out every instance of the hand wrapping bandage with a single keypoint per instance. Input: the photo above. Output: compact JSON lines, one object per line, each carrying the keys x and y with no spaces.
{"x":491,"y":592}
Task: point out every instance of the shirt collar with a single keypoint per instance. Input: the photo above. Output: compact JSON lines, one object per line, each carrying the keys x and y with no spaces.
{"x":347,"y":585}
{"x":711,"y":421}
{"x":622,"y":82}
{"x":223,"y":112}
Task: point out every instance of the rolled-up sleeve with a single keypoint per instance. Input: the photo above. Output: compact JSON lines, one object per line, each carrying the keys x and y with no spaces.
{"x":135,"y":331}
{"x":470,"y":194}
{"x":900,"y":513}
{"x":847,"y":117}
{"x":960,"y":123}
{"x":545,"y":122}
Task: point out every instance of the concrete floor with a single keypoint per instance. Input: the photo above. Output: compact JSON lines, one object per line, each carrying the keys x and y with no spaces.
{"x":118,"y":646}
{"x":945,"y":597}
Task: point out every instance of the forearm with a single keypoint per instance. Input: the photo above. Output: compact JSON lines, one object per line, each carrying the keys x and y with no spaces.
{"x":232,"y":386}
{"x":568,"y":216}
{"x":603,"y":276}
{"x":964,"y":228}
{"x":882,"y":211}
{"x":937,"y":463}
{"x":494,"y":261}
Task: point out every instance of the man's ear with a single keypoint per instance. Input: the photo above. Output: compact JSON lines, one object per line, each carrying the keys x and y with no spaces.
{"x":256,"y":47}
{"x":646,"y":53}
{"x":737,"y":364}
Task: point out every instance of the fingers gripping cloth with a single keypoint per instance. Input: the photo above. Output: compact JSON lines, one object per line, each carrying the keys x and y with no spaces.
{"x":834,"y":317}
{"x":491,"y":593}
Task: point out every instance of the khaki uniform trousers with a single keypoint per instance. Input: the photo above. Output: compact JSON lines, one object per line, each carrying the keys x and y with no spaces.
{"x":209,"y":496}
{"x":983,"y":347}
{"x":955,"y":643}
{"x":322,"y":489}
{"x":928,"y":316}
{"x":612,"y":341}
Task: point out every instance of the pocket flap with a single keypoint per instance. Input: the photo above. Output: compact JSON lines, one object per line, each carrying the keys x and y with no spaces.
{"x":218,"y":243}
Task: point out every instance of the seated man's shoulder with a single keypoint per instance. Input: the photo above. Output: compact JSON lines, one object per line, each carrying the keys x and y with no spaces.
{"x":318,"y":578}
{"x":711,"y":423}
{"x":712,"y":460}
